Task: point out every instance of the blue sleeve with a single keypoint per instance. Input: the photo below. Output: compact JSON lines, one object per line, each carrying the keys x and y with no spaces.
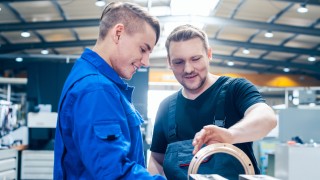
{"x":101,"y":133}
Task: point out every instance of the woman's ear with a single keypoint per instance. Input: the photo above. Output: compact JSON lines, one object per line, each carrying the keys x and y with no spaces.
{"x":117,"y":32}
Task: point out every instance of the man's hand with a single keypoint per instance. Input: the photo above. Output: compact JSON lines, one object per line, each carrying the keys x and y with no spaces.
{"x":209,"y":135}
{"x":259,"y":119}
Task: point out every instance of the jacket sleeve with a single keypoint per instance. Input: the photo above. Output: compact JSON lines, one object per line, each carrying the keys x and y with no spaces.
{"x":103,"y":139}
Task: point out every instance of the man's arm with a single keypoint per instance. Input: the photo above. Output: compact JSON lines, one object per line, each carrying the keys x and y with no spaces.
{"x":155,"y":163}
{"x":259,"y":119}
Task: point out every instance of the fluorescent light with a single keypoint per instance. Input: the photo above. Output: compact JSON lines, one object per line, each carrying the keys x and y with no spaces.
{"x":44,"y":51}
{"x":25,"y":34}
{"x":311,"y":58}
{"x":160,"y":11}
{"x":286,"y":69}
{"x":19,"y":59}
{"x":230,"y":63}
{"x":170,"y":26}
{"x":268,"y":34}
{"x":192,"y":7}
{"x":302,"y":9}
{"x":245,"y":51}
{"x":100,"y":3}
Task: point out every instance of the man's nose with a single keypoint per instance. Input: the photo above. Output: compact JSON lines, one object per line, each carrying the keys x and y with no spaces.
{"x":188,"y":68}
{"x":146,"y":60}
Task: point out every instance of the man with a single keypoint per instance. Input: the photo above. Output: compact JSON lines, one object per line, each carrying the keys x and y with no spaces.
{"x":98,"y":130}
{"x":246,"y":117}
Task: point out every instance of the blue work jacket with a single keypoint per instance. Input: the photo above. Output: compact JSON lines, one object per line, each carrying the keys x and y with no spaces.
{"x":98,"y":129}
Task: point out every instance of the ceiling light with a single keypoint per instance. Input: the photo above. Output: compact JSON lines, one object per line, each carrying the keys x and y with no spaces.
{"x":19,"y":59}
{"x":168,"y":27}
{"x":44,"y":51}
{"x":160,"y":11}
{"x":100,"y":3}
{"x":193,"y":7}
{"x":245,"y":51}
{"x":25,"y":34}
{"x":230,"y":63}
{"x":286,"y":69}
{"x":302,"y":9}
{"x":268,"y":34}
{"x":311,"y":58}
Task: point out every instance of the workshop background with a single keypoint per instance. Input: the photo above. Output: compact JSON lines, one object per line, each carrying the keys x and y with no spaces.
{"x":273,"y":43}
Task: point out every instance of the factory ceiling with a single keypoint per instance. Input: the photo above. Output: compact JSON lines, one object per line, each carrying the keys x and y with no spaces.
{"x":259,"y":36}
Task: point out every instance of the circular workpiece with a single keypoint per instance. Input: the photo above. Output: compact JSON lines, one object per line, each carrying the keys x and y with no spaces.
{"x":220,"y":148}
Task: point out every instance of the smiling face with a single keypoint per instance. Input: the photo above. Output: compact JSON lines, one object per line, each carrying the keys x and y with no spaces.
{"x":189,"y":62}
{"x":132,"y":50}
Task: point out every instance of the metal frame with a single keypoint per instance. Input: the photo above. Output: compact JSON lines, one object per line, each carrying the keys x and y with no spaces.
{"x":220,"y":148}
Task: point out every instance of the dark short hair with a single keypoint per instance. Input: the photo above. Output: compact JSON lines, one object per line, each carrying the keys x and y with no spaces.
{"x":186,"y":32}
{"x":131,"y":15}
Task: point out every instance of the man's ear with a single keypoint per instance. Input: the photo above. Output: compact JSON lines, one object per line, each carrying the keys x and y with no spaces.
{"x":209,"y":53}
{"x":117,"y":32}
{"x":168,"y":62}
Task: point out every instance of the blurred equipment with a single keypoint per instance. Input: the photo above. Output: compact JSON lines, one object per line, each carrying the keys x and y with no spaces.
{"x":256,"y":177}
{"x":304,"y":123}
{"x":307,"y":96}
{"x":296,"y":162}
{"x":9,"y":164}
{"x":37,"y":164}
{"x":42,"y":130}
{"x":207,"y":177}
{"x":12,"y":133}
{"x":297,"y":139}
{"x":8,"y":117}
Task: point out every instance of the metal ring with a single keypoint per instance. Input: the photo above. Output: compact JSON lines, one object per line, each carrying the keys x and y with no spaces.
{"x":220,"y":148}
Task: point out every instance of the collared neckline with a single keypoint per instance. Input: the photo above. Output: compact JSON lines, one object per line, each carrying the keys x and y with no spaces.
{"x":104,"y":68}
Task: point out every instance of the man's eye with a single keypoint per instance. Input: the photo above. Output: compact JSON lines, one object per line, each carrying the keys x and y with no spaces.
{"x":143,"y":50}
{"x":177,"y":62}
{"x":196,"y":59}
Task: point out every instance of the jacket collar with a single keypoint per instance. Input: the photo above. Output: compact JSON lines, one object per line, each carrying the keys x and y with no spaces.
{"x":104,"y":68}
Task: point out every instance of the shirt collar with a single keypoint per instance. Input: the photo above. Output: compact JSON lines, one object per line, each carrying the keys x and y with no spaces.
{"x":104,"y":68}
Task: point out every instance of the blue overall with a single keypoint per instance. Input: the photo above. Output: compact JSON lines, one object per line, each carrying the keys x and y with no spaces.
{"x":98,"y":130}
{"x":179,"y":153}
